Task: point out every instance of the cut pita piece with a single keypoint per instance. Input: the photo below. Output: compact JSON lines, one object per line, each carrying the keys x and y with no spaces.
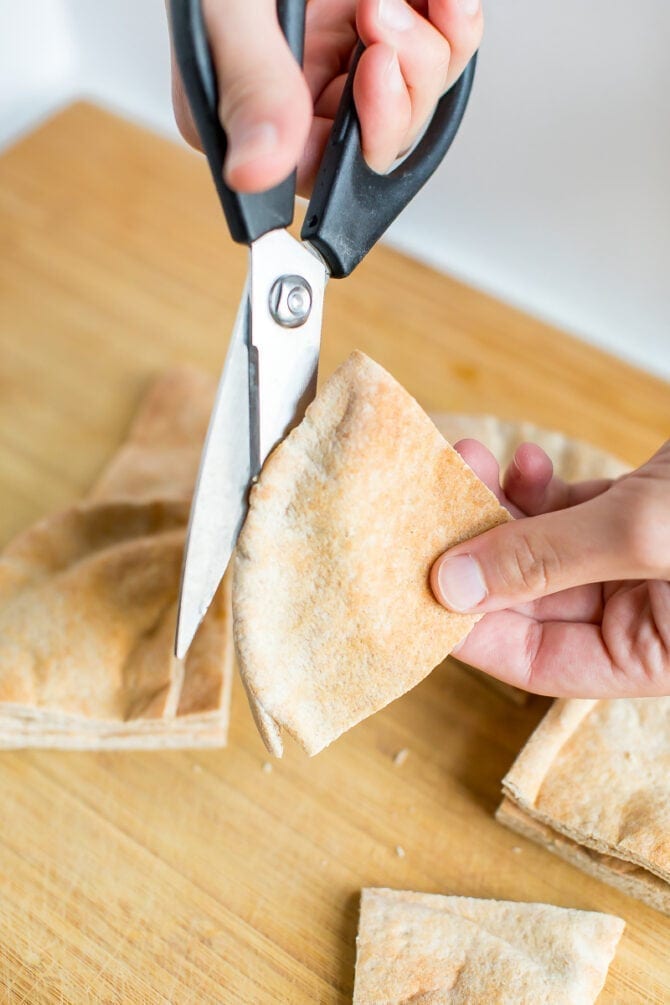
{"x":160,"y":456}
{"x":88,"y":602}
{"x":332,"y":610}
{"x":573,"y":460}
{"x":432,"y":949}
{"x":87,"y":615}
{"x":598,"y":773}
{"x":631,"y":879}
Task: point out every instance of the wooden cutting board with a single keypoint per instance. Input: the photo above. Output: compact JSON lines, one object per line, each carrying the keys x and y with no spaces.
{"x":202,"y":877}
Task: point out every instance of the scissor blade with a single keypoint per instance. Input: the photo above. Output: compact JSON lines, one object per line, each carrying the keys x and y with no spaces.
{"x":221,"y":494}
{"x":284,"y":360}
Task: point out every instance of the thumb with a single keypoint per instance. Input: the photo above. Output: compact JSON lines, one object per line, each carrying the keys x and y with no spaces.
{"x":530,"y":558}
{"x":264,"y":103}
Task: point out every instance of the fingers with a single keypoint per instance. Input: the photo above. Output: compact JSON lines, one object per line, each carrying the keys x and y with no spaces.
{"x":528,"y":478}
{"x":530,"y":485}
{"x":380,"y":89}
{"x":527,"y":559}
{"x":554,"y":658}
{"x":485,"y":466}
{"x":431,"y":52}
{"x":182,"y":111}
{"x":627,"y":655}
{"x":264,"y":102}
{"x":462,"y":23}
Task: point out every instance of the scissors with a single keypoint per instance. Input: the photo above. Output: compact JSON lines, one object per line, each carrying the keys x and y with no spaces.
{"x":269,"y":376}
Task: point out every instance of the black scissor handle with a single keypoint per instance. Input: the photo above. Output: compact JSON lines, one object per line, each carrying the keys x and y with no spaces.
{"x":248,"y":216}
{"x":352,"y":205}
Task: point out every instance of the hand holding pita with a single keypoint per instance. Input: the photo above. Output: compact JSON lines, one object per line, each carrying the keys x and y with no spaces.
{"x":277,"y":116}
{"x":578,"y":593}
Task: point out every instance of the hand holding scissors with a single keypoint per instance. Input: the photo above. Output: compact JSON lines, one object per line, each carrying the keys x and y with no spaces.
{"x":278,"y":116}
{"x":270,"y":373}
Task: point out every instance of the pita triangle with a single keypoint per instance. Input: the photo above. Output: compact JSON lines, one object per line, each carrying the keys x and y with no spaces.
{"x":333,"y":613}
{"x":88,"y":601}
{"x":592,"y":785}
{"x":430,"y":949}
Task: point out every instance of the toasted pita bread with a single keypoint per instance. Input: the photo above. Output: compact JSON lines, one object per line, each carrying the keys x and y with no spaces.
{"x":434,"y":950}
{"x":598,"y":772}
{"x":333,"y":614}
{"x":631,"y":879}
{"x":573,"y":460}
{"x":160,"y":456}
{"x":88,"y":601}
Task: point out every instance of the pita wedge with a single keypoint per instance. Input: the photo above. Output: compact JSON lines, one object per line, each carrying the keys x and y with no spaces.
{"x":573,"y":460}
{"x":593,"y":785}
{"x":332,"y":610}
{"x":88,"y":602}
{"x":434,"y":950}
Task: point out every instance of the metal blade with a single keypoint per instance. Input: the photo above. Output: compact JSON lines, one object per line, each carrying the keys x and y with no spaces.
{"x":284,"y":360}
{"x":221,"y":493}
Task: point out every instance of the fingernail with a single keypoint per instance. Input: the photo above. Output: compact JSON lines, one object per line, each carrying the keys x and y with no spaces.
{"x":394,"y":78}
{"x":395,"y":14}
{"x":461,"y":583}
{"x":470,"y":7}
{"x":247,"y":142}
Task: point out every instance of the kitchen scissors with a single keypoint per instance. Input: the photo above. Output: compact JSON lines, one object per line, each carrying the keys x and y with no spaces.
{"x":269,"y":376}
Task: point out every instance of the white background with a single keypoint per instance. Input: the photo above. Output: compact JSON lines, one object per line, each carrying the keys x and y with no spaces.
{"x":555,"y":196}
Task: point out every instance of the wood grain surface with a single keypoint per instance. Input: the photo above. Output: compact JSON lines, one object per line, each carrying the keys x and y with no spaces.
{"x":201,"y":877}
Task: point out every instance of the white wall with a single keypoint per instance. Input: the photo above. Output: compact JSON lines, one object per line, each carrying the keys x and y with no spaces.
{"x":555,"y":196}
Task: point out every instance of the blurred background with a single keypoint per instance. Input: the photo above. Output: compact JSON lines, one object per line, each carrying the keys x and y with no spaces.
{"x":555,"y":196}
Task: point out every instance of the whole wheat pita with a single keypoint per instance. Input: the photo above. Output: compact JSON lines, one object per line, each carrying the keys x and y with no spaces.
{"x":88,"y":601}
{"x":573,"y":459}
{"x":598,"y":773}
{"x":332,"y":609}
{"x":625,"y":876}
{"x":434,"y":950}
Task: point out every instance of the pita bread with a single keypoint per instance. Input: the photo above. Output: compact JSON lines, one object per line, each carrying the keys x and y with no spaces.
{"x":431,"y":949}
{"x":598,"y":773}
{"x":161,"y":454}
{"x":573,"y":460}
{"x":333,"y":614}
{"x":631,"y":879}
{"x":88,"y":602}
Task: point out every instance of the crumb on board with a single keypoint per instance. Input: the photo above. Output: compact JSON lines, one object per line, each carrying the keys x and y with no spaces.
{"x":516,"y":849}
{"x":400,"y":851}
{"x":197,"y":769}
{"x":400,"y":757}
{"x":267,"y":767}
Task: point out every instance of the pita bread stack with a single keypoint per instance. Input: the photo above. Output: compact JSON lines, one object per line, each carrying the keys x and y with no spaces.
{"x":573,"y":460}
{"x":333,"y":614}
{"x":436,"y":950}
{"x":593,"y":785}
{"x":88,"y":602}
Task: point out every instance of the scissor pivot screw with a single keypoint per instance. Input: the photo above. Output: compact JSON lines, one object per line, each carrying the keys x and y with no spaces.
{"x":290,"y":301}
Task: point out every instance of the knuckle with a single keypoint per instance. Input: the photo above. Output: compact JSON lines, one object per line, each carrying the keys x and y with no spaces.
{"x":533,"y":565}
{"x":433,"y":74}
{"x":533,"y":652}
{"x":239,"y":94}
{"x":643,"y":537}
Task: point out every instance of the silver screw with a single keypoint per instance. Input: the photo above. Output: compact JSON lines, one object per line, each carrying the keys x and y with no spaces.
{"x":290,"y":301}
